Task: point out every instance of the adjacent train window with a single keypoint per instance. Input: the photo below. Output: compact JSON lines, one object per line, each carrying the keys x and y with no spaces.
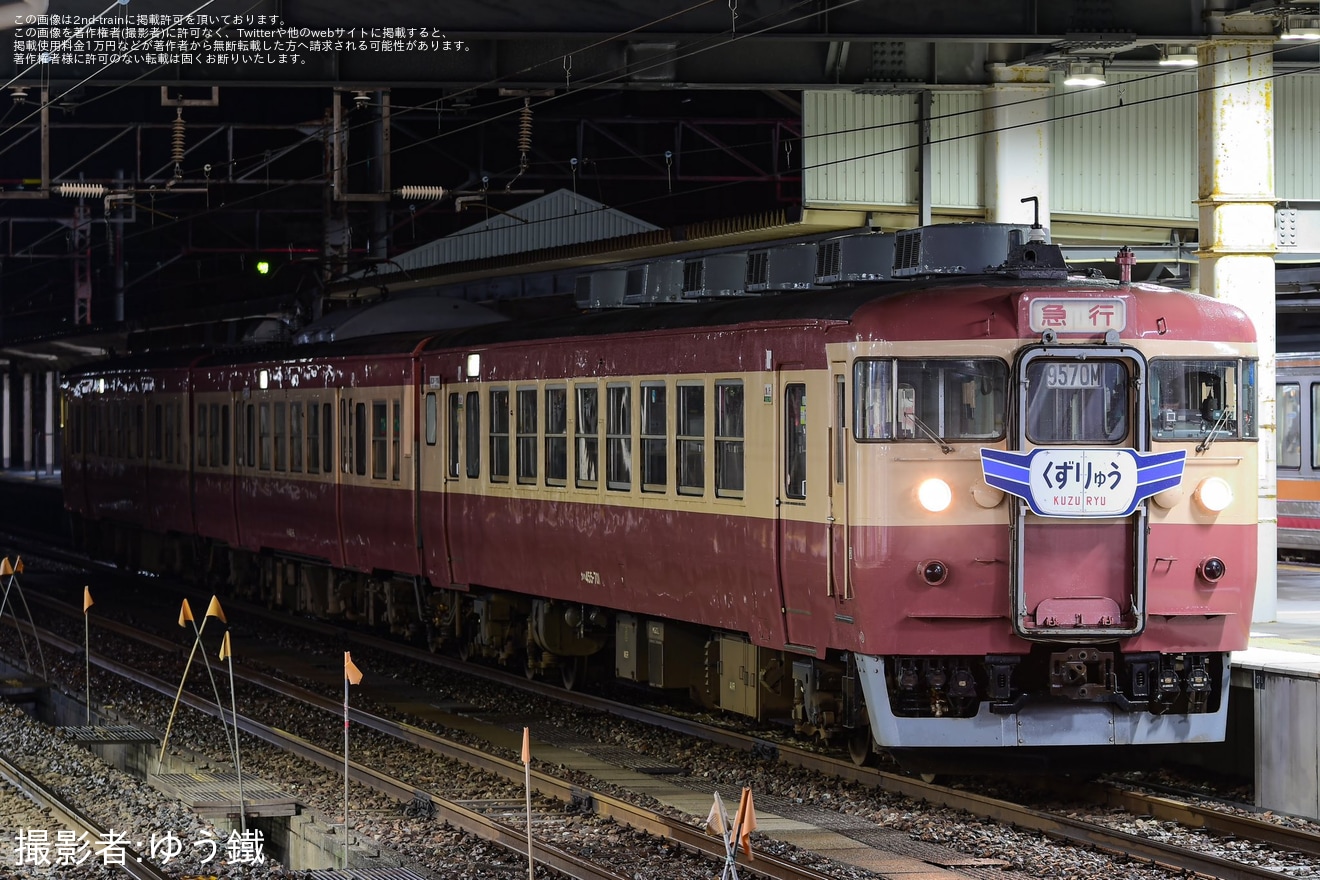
{"x":224,"y":435}
{"x":169,"y":433}
{"x":1077,"y":401}
{"x":201,"y":434}
{"x":729,"y":439}
{"x":473,"y":434}
{"x":556,"y":436}
{"x":690,"y":439}
{"x":499,"y":435}
{"x":138,"y":431}
{"x":249,"y":442}
{"x":263,"y":433}
{"x":180,"y":414}
{"x":379,"y":439}
{"x":214,"y":437}
{"x":1289,"y":442}
{"x":618,"y":437}
{"x":795,"y":440}
{"x":1190,"y":399}
{"x":346,"y":436}
{"x":432,"y":417}
{"x":395,"y":409}
{"x":587,"y":430}
{"x":280,"y":433}
{"x":313,"y":439}
{"x":328,"y":438}
{"x":455,"y":431}
{"x":360,"y":439}
{"x":296,"y":437}
{"x":526,"y":428}
{"x":655,"y":439}
{"x":1315,"y":425}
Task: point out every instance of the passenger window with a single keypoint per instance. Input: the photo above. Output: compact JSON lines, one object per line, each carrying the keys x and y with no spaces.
{"x":224,"y":435}
{"x":327,"y":438}
{"x":313,"y":439}
{"x":431,"y":418}
{"x":201,"y":434}
{"x":169,"y":433}
{"x":690,"y":440}
{"x":455,"y":418}
{"x":394,"y":441}
{"x":499,"y":435}
{"x":296,"y":437}
{"x":526,"y":428}
{"x":587,"y":429}
{"x":729,"y":439}
{"x":473,"y":434}
{"x":379,"y":439}
{"x":213,"y":441}
{"x":281,"y":439}
{"x":1289,"y":443}
{"x":795,"y":441}
{"x":655,"y":438}
{"x":360,"y":439}
{"x":556,"y":436}
{"x":618,"y":437}
{"x":263,"y":420}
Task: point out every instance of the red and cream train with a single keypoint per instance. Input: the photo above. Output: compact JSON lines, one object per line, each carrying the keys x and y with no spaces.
{"x":1005,"y":507}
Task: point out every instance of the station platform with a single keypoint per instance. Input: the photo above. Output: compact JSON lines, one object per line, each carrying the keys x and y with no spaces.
{"x":1278,"y":677}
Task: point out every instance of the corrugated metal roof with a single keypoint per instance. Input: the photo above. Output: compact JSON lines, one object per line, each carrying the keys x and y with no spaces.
{"x":560,"y":218}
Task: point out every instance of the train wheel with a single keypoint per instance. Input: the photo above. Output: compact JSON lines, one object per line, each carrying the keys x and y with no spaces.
{"x":573,"y":672}
{"x":465,"y":650}
{"x":859,"y":746}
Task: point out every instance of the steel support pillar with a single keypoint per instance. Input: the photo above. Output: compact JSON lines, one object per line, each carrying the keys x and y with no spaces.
{"x":50,"y":422}
{"x":28,"y":421}
{"x":1017,"y":144}
{"x":5,"y":427}
{"x":1235,"y":189}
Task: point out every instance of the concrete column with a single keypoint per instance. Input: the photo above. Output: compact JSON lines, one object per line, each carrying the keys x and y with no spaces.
{"x":4,"y":422}
{"x":1235,"y":189}
{"x":1017,"y":144}
{"x":50,"y":422}
{"x":28,"y":421}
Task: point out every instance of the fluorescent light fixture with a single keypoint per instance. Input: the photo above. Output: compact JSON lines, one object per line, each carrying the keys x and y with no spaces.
{"x":1174,"y":55}
{"x":1300,"y":27}
{"x":1084,"y":73}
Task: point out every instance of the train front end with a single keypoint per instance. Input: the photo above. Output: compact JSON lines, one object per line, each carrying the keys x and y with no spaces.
{"x":1066,"y":552}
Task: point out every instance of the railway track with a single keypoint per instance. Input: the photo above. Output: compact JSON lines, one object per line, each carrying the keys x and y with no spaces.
{"x":1050,"y":824}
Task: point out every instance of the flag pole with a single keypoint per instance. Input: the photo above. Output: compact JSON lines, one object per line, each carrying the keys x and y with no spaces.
{"x":185,"y":615}
{"x":227,"y":654}
{"x":352,"y":675}
{"x":214,"y":610}
{"x":87,"y":653}
{"x":527,"y":773}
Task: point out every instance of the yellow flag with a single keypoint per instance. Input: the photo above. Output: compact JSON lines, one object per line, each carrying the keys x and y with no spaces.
{"x":351,"y":672}
{"x":225,"y":653}
{"x":5,"y":567}
{"x":527,"y":746}
{"x":18,"y":564}
{"x":185,"y":613}
{"x":87,"y":599}
{"x":214,"y":610}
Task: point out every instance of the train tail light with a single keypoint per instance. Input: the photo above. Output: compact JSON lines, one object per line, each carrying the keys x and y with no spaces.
{"x":933,"y":572}
{"x":1212,"y":569}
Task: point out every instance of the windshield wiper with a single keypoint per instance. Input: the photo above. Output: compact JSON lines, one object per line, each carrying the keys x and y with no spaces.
{"x":935,"y":438}
{"x":1214,"y":429}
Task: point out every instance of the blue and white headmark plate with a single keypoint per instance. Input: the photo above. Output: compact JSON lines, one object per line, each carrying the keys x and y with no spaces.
{"x":1082,"y":481}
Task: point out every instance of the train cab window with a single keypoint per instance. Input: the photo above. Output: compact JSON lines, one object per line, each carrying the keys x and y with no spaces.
{"x":473,"y":450}
{"x":654,"y":437}
{"x":1077,"y":401}
{"x":499,"y":435}
{"x":729,"y":439}
{"x":1289,"y":442}
{"x":432,"y":417}
{"x":1193,"y":399}
{"x":953,"y":399}
{"x":556,"y":436}
{"x":379,"y":439}
{"x":455,"y":431}
{"x":295,"y":437}
{"x":795,"y":440}
{"x":201,"y":435}
{"x":263,"y":435}
{"x":526,"y":428}
{"x":873,"y":411}
{"x":690,"y":440}
{"x":618,"y":437}
{"x":587,"y":431}
{"x":359,"y":429}
{"x":280,"y":433}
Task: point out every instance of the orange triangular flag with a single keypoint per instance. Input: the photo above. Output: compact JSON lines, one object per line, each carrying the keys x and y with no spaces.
{"x":5,"y":567}
{"x":225,"y":653}
{"x":351,"y":672}
{"x":214,"y":610}
{"x":18,"y":564}
{"x":87,"y":599}
{"x":185,"y":613}
{"x":746,"y":822}
{"x":717,"y":820}
{"x":527,"y":746}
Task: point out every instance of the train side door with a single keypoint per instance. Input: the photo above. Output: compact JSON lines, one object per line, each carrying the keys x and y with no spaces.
{"x":839,"y":542}
{"x":803,"y":575}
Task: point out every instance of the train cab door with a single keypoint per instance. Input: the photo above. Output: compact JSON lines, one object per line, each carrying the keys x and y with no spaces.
{"x":802,"y":575}
{"x":1079,"y":542}
{"x":838,"y":541}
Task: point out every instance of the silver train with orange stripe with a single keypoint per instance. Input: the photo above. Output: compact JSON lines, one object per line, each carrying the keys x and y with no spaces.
{"x":1297,"y":448}
{"x":1008,"y":509}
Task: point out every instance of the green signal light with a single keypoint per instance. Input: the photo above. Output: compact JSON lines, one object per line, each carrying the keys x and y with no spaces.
{"x":263,"y":267}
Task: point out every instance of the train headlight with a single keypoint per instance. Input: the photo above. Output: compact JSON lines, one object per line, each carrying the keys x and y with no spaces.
{"x":1214,"y":494}
{"x":1212,"y":569}
{"x":934,"y":494}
